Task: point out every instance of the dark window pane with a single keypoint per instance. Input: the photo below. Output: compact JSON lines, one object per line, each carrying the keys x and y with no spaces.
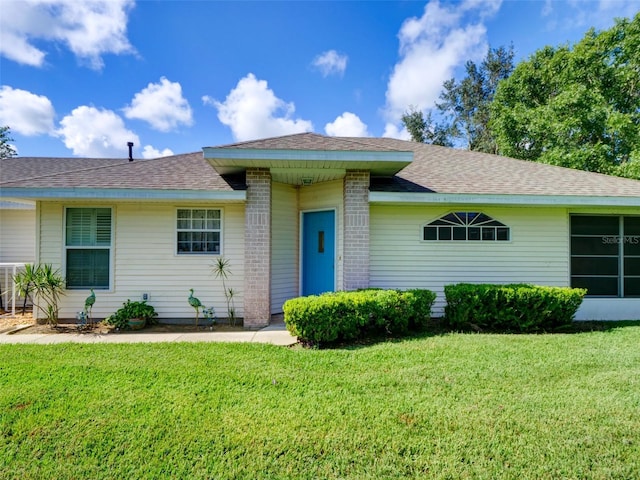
{"x":594,"y":245}
{"x":632,"y":286}
{"x":503,"y":234}
{"x":87,"y":268}
{"x":474,"y":233}
{"x":603,"y":286}
{"x":488,"y":233}
{"x":594,"y":266}
{"x":198,"y":242}
{"x":451,"y":218}
{"x":632,"y":226}
{"x":594,"y":225}
{"x":463,"y":217}
{"x":430,"y":233}
{"x":481,"y":218}
{"x":631,"y":244}
{"x":459,"y":233}
{"x":471,"y":217}
{"x":632,"y":266}
{"x":444,"y":233}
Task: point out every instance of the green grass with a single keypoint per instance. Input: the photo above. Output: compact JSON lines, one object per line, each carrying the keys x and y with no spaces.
{"x":449,"y":406}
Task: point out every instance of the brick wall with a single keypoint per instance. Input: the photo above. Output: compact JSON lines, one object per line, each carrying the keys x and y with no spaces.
{"x":356,"y":230}
{"x":257,"y":249}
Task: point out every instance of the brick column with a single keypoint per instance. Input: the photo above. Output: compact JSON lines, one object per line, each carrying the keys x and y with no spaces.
{"x":257,"y":249}
{"x":356,"y":230}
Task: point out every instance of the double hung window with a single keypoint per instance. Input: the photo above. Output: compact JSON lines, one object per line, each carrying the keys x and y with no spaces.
{"x":199,"y":231}
{"x":88,"y":247}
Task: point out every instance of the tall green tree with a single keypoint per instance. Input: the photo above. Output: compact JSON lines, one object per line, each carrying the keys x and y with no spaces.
{"x":464,"y":106}
{"x":6,"y":149}
{"x":576,"y":107}
{"x":424,"y":130}
{"x":466,"y":103}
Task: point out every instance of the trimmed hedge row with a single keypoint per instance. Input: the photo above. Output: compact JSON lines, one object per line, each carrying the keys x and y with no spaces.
{"x":515,"y":307}
{"x":338,"y":316}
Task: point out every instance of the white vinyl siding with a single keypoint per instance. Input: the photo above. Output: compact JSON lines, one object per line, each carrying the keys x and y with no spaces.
{"x":537,"y":252}
{"x":327,"y":196}
{"x":145,"y":260}
{"x":284,"y":244}
{"x":17,"y":235}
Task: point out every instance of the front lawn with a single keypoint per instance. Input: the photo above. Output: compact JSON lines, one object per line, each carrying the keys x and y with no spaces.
{"x":449,"y":406}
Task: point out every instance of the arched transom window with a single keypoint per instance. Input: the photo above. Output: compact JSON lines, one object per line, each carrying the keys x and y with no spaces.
{"x":463,"y":226}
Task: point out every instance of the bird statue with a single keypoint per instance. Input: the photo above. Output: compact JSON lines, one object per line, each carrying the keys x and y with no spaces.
{"x":88,"y":305}
{"x":196,"y":304}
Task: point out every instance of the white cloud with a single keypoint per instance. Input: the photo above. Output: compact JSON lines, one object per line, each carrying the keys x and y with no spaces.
{"x":151,"y":152}
{"x":92,"y":132}
{"x":252,"y":111}
{"x":25,"y":112}
{"x":161,"y":105}
{"x":347,"y":125}
{"x":88,"y":29}
{"x":391,"y":130}
{"x":431,"y":47}
{"x":331,"y":63}
{"x":587,"y":13}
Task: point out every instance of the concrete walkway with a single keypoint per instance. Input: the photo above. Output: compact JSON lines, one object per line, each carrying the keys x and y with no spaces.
{"x":275,"y":334}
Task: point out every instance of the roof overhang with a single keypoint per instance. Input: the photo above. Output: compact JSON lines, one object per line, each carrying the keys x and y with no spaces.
{"x":302,"y":167}
{"x":120,"y":194}
{"x":16,"y":204}
{"x":405,"y":198}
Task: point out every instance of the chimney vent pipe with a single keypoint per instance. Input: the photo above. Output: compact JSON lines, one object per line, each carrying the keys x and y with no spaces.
{"x":130,"y":145}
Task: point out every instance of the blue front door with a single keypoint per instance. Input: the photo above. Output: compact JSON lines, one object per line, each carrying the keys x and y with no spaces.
{"x":318,"y":252}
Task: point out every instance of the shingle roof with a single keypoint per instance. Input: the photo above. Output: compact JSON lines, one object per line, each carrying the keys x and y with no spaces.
{"x":434,"y":169}
{"x":313,"y":141}
{"x":13,"y":169}
{"x":445,"y":170}
{"x":188,"y":171}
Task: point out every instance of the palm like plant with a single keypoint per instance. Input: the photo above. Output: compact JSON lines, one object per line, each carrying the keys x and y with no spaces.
{"x":44,"y":285}
{"x":221,"y":270}
{"x":25,"y":283}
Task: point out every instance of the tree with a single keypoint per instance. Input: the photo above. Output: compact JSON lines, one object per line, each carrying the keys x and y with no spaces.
{"x":466,"y":104}
{"x":424,"y":130}
{"x":6,"y":149}
{"x":576,"y":107}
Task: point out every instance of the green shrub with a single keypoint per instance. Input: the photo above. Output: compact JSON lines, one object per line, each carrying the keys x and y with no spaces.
{"x":120,"y":318}
{"x":340,"y":316}
{"x":515,"y":307}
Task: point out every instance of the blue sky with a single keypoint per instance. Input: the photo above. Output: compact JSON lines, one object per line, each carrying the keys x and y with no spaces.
{"x":84,"y":78}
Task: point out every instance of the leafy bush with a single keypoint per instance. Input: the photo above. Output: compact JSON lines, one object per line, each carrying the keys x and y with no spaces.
{"x":349,"y":315}
{"x":120,"y":318}
{"x":45,"y":285}
{"x":515,"y":307}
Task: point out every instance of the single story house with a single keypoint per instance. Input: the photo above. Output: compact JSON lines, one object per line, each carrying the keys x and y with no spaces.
{"x":304,"y":214}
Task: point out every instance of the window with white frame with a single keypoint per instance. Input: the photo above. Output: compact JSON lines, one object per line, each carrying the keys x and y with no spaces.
{"x":466,"y":226}
{"x":88,"y":247}
{"x":605,"y":254}
{"x":199,"y":231}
